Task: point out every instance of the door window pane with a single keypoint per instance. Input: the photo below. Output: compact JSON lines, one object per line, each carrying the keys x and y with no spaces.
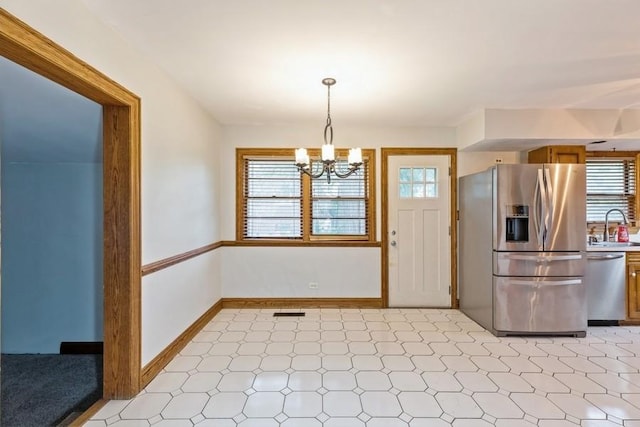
{"x":405,"y":174}
{"x":430,"y":174}
{"x":431,"y":190}
{"x":405,"y":191}
{"x":418,"y":183}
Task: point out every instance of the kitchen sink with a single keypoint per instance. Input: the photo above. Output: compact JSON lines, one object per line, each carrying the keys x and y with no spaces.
{"x":614,"y":244}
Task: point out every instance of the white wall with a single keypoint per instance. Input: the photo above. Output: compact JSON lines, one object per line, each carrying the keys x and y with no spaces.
{"x":180,"y":159}
{"x":188,"y":285}
{"x":286,"y":272}
{"x":476,"y":161}
{"x":471,"y":130}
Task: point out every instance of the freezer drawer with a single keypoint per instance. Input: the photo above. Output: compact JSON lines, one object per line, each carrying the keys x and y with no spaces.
{"x":546,"y":264}
{"x":538,"y":305}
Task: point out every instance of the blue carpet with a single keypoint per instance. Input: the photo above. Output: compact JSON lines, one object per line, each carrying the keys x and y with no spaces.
{"x":42,"y":389}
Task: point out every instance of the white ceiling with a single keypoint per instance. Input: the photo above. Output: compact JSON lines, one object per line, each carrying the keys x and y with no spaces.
{"x":397,"y":62}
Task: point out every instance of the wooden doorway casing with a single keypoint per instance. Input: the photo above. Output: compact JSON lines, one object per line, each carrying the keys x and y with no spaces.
{"x":121,"y":195}
{"x":415,"y":151}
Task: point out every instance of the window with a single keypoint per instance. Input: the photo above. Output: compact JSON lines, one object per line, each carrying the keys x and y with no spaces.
{"x":339,"y":208}
{"x":274,"y":201}
{"x":611,"y":183}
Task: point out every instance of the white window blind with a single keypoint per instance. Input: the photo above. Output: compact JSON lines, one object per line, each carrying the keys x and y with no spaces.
{"x":611,"y":183}
{"x":341,"y":207}
{"x":272,"y":199}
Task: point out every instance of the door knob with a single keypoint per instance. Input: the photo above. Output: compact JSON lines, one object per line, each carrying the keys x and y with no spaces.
{"x":393,"y":243}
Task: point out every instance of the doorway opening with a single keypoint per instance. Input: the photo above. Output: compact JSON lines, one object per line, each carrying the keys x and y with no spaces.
{"x":51,"y":190}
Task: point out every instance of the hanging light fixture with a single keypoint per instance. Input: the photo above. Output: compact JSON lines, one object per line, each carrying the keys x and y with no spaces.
{"x":328,"y":151}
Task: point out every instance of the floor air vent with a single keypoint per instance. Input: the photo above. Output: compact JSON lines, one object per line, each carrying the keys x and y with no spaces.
{"x":289,"y":314}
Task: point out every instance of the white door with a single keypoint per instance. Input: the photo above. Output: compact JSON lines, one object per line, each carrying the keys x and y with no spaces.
{"x":419,"y":213}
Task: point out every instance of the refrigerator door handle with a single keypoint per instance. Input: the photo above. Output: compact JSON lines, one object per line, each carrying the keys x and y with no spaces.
{"x":546,"y":282}
{"x":549,"y":204}
{"x":539,"y":207}
{"x":549,"y":258}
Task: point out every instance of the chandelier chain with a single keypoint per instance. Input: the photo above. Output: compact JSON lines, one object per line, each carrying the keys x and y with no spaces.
{"x":328,"y":126}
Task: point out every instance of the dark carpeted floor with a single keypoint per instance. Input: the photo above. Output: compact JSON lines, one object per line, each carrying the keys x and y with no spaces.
{"x":43,"y":389}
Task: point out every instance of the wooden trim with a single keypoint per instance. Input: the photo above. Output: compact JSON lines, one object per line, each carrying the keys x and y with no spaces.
{"x":415,"y":151}
{"x":384,"y":224}
{"x":31,"y":49}
{"x":371,"y":154}
{"x":86,"y":415}
{"x":239,"y":194}
{"x":154,"y":367}
{"x":176,"y":259}
{"x":303,"y":244}
{"x":302,"y":302}
{"x":122,"y":255}
{"x":306,"y":207}
{"x":121,"y":197}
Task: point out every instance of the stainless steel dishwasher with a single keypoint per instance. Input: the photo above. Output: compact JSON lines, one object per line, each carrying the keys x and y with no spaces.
{"x":606,"y":288}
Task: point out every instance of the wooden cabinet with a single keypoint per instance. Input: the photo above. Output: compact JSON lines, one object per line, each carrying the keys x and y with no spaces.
{"x":633,"y":286}
{"x":558,"y":154}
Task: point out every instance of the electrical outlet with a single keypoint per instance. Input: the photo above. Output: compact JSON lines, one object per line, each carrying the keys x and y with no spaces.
{"x":313,"y":285}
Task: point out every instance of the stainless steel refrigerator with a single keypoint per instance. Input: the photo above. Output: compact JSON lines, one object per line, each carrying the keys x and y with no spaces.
{"x":522,"y":242}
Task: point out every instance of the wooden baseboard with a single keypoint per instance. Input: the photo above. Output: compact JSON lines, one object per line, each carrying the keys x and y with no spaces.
{"x":302,"y":302}
{"x":630,"y":322}
{"x":154,"y":367}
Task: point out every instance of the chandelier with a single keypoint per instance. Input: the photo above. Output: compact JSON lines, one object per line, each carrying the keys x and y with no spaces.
{"x":328,"y":152}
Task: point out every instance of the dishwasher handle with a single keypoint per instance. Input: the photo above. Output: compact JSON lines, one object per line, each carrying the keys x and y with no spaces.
{"x":604,"y":257}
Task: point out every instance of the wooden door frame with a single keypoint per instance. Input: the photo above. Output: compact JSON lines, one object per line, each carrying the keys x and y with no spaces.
{"x":121,"y":195}
{"x":415,"y":151}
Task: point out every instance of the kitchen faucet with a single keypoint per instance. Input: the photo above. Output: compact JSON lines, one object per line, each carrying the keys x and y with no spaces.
{"x":605,"y":235}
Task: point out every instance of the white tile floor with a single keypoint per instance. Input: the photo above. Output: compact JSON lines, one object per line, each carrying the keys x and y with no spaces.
{"x":387,"y":368}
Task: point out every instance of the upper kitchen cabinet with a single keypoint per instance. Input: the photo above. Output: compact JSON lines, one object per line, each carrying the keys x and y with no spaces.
{"x":558,"y":154}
